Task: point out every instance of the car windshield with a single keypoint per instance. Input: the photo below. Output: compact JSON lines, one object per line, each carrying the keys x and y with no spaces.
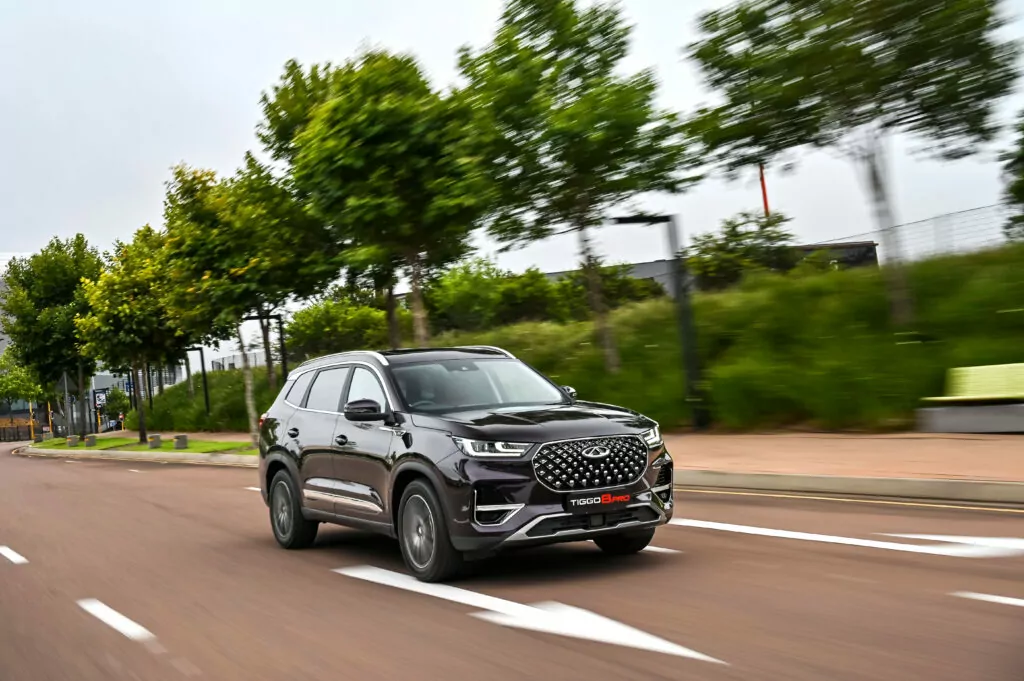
{"x":464,"y":384}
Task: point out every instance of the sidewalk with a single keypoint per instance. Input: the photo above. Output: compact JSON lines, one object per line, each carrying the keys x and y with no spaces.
{"x":908,"y":455}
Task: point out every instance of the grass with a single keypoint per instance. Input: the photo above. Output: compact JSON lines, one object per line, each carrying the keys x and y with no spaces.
{"x":126,"y":444}
{"x":194,"y":447}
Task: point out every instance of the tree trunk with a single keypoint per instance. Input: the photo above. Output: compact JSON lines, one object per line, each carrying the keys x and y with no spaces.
{"x":137,"y":390}
{"x":604,"y":330}
{"x":250,"y":400}
{"x":82,"y":391}
{"x":899,"y":290}
{"x":419,"y":312}
{"x":160,"y":379}
{"x":268,"y":354}
{"x":391,"y":310}
{"x":188,"y":377}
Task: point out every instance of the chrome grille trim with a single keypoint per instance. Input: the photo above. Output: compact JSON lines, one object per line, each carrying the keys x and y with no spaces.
{"x":542,"y":454}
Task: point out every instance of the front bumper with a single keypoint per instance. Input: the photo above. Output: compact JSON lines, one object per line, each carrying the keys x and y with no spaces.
{"x":500,"y":505}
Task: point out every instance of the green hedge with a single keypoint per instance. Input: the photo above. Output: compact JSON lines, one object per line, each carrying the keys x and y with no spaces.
{"x":780,"y":350}
{"x":175,"y":410}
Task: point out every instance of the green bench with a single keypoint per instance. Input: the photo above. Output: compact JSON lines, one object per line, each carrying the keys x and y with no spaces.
{"x":993,"y":384}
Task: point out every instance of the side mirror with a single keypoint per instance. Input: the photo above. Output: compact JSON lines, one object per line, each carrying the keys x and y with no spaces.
{"x":364,"y":410}
{"x":570,"y":391}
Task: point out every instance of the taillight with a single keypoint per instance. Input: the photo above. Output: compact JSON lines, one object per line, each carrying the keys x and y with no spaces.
{"x":263,"y":417}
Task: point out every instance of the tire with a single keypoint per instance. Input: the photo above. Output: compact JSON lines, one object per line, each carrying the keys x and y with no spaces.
{"x":291,"y":530}
{"x":423,"y":535}
{"x":625,"y":544}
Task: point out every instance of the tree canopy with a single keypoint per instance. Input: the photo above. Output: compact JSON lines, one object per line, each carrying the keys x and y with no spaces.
{"x":386,"y":164}
{"x":568,"y":137}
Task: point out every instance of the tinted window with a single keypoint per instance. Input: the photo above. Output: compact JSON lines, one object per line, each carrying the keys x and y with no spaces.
{"x":325,"y":395}
{"x":472,"y":384}
{"x":298,"y":389}
{"x":365,"y":386}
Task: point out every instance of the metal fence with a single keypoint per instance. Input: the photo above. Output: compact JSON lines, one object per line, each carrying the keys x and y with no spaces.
{"x":961,"y":232}
{"x":15,"y":433}
{"x":256,"y":359}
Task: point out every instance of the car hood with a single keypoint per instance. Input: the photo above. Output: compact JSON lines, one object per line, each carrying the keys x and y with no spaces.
{"x":538,"y":424}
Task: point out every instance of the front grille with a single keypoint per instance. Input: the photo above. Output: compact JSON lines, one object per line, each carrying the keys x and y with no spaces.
{"x":562,"y":467}
{"x":552,"y":526}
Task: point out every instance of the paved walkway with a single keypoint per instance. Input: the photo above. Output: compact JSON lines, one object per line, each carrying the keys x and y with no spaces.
{"x":907,"y":455}
{"x":903,"y":455}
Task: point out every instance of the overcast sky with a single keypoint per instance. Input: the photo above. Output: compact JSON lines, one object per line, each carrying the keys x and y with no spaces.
{"x":100,"y":98}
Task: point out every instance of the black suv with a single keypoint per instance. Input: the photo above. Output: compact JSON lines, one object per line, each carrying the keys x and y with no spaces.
{"x":459,"y":453}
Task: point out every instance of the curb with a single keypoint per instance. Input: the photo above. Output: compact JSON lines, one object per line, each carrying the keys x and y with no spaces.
{"x":214,"y":459}
{"x":980,"y":491}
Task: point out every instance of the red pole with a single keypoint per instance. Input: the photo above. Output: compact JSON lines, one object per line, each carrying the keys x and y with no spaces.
{"x":764,"y":190}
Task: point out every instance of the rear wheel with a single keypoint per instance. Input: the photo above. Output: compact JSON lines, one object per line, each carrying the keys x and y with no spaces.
{"x":626,"y":543}
{"x":423,"y":535}
{"x":291,"y":530}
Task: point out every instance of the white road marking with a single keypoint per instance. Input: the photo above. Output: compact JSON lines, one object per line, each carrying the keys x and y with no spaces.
{"x":658,"y":549}
{"x":133,"y":470}
{"x":253,"y":489}
{"x":958,"y":547}
{"x":1002,"y":600}
{"x":115,"y":620}
{"x":12,"y":555}
{"x":549,"y":617}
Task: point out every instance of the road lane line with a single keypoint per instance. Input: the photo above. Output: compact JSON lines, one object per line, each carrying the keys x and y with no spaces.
{"x":884,"y":502}
{"x":134,"y":470}
{"x":115,"y":620}
{"x":658,"y":549}
{"x":253,"y":489}
{"x":978,"y":547}
{"x":12,"y":555}
{"x":989,"y":598}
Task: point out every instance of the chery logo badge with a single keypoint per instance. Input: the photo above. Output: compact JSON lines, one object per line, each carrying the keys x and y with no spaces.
{"x":596,"y":452}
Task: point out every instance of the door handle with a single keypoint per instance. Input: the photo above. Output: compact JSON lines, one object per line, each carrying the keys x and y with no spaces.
{"x":341,"y":440}
{"x":293,"y":432}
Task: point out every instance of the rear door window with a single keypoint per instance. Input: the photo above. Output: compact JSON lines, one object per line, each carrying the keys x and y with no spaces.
{"x":298,"y":390}
{"x":325,"y":393}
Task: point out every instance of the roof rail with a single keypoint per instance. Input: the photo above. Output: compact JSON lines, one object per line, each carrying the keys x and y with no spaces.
{"x":376,"y":355}
{"x":487,"y":347}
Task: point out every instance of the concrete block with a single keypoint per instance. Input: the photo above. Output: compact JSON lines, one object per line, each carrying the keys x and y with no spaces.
{"x":181,"y":441}
{"x":90,"y":440}
{"x":990,"y":418}
{"x":72,"y":441}
{"x":154,"y":442}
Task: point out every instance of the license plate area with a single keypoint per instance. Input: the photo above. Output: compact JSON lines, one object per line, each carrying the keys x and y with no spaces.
{"x":587,"y":503}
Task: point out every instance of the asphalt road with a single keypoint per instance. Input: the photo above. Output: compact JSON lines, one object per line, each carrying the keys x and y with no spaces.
{"x":138,"y":571}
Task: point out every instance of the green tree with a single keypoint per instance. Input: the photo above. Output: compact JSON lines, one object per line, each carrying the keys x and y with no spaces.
{"x":127,"y":322}
{"x":237,"y":247}
{"x":747,"y":242}
{"x":387,"y":165}
{"x":16,"y":382}
{"x":846,"y":74}
{"x":289,"y":105}
{"x":39,"y":308}
{"x":1013,"y":178}
{"x":336,"y":326}
{"x":117,"y":402}
{"x":569,"y":138}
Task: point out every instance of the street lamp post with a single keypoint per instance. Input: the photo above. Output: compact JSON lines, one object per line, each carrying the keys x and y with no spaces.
{"x":684,"y":313}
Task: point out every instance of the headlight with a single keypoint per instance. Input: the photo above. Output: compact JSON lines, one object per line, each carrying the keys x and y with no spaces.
{"x":489,"y":449}
{"x":652,"y":437}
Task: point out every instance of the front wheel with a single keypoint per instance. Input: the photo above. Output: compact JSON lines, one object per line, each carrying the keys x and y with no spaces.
{"x":626,"y":543}
{"x":291,"y":530}
{"x":423,"y":535}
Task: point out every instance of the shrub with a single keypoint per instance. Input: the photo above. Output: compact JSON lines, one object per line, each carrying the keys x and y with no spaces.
{"x":778,"y":350}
